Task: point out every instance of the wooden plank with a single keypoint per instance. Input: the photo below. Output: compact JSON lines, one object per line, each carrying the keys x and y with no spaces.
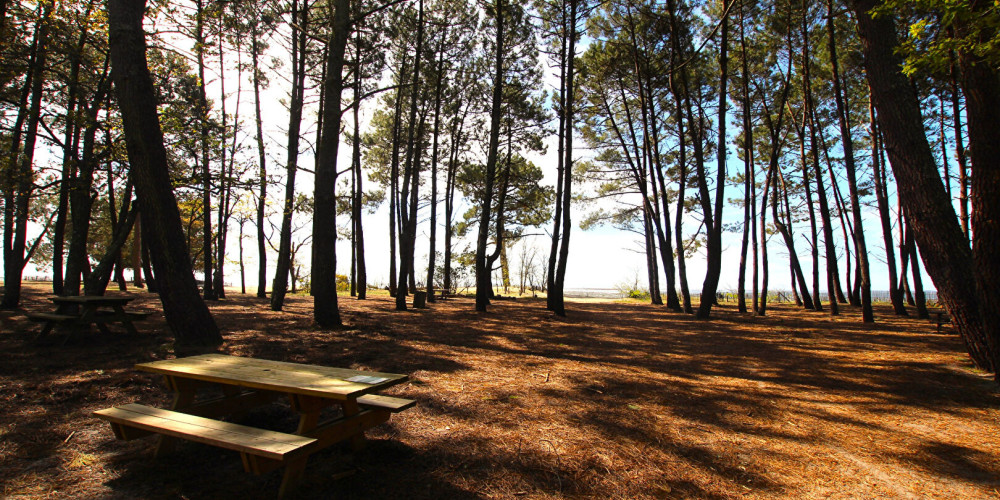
{"x":44,"y":316}
{"x":392,"y":404}
{"x":342,"y":428}
{"x":99,"y":300}
{"x":261,"y":442}
{"x":293,"y":378}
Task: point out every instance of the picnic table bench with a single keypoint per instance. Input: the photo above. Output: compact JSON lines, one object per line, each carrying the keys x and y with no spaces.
{"x":79,"y":312}
{"x":247,"y":383}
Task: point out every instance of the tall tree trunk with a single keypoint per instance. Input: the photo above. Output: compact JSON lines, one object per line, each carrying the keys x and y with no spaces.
{"x":136,"y":253}
{"x":963,"y":169}
{"x":243,"y":271}
{"x":432,"y":252}
{"x":411,"y":176}
{"x":206,"y":174}
{"x":904,"y":253}
{"x":81,"y":201}
{"x":882,"y":199}
{"x":813,"y":226}
{"x":920,"y":299}
{"x":394,"y":175}
{"x":659,"y":208}
{"x":255,"y":50}
{"x":550,"y":276}
{"x":762,"y":308}
{"x":750,"y":196}
{"x":324,"y":250}
{"x":832,"y":274}
{"x":786,"y":234}
{"x":713,"y":218}
{"x":70,"y":143}
{"x":748,"y":180}
{"x":860,"y":246}
{"x":559,"y":306}
{"x":361,"y":270}
{"x":981,"y":86}
{"x":449,"y":196}
{"x":945,"y":251}
{"x":226,"y":181}
{"x":482,"y":270}
{"x":15,"y":242}
{"x":185,"y":312}
{"x":279,"y":286}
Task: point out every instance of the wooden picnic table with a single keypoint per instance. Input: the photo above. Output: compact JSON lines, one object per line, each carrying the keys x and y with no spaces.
{"x":247,"y":383}
{"x":81,"y":311}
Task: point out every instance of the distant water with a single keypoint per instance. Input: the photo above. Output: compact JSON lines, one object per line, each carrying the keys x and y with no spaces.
{"x":592,"y":293}
{"x":725,"y":295}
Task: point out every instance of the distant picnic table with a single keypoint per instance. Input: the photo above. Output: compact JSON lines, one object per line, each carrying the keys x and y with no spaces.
{"x":248,"y":383}
{"x":79,"y":312}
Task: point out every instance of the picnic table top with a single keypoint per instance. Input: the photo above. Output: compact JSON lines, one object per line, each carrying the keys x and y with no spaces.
{"x":92,"y":299}
{"x":291,"y":378}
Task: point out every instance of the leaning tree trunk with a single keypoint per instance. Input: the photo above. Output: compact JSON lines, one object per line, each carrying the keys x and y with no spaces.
{"x":981,"y":86}
{"x":186,"y":313}
{"x":861,"y":247}
{"x":882,"y":199}
{"x":945,"y":250}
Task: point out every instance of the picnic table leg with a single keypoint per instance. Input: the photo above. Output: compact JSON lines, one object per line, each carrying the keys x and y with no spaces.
{"x":46,"y":329}
{"x":125,"y":321}
{"x":184,"y":394}
{"x":293,"y":474}
{"x":351,"y":408}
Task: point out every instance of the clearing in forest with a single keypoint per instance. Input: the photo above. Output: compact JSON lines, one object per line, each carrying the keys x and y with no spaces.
{"x":620,"y":400}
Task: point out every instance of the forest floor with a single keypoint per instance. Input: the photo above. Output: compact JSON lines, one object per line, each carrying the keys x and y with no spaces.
{"x":619,"y":400}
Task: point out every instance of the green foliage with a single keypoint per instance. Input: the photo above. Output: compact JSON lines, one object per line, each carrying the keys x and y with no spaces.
{"x":343,"y":283}
{"x":938,"y":30}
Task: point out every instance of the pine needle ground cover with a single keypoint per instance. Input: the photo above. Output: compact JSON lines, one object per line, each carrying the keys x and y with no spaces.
{"x":620,"y":400}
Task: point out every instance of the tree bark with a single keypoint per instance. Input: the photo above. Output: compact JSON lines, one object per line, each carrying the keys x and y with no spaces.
{"x":981,"y":86}
{"x":186,"y":314}
{"x":832,"y":274}
{"x":206,"y":174}
{"x":861,"y":247}
{"x":279,"y":286}
{"x":411,"y":176}
{"x":16,"y":229}
{"x":326,"y":311}
{"x":432,"y":252}
{"x":713,"y":218}
{"x":963,"y":169}
{"x":559,"y":305}
{"x":361,"y":270}
{"x":255,"y":50}
{"x":945,"y":251}
{"x":482,"y":270}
